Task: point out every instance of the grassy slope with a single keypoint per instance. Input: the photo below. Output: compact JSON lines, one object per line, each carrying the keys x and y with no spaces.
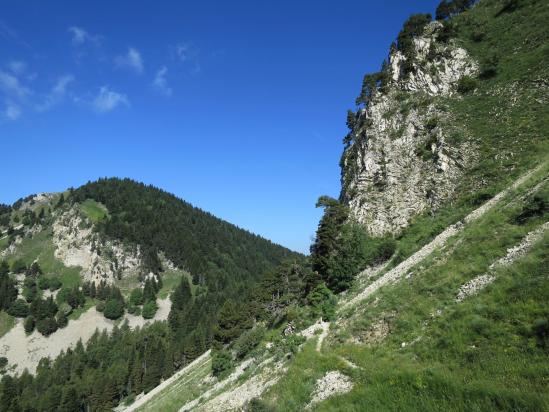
{"x":93,"y":210}
{"x":480,"y":354}
{"x":40,"y":247}
{"x":185,"y":389}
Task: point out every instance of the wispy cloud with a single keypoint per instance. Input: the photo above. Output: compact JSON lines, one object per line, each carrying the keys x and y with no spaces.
{"x":183,"y":51}
{"x":10,"y":34}
{"x":57,"y":93}
{"x":81,"y":36}
{"x":12,"y":111}
{"x":160,"y":83}
{"x":17,"y":67}
{"x":108,"y":100}
{"x":187,"y":55}
{"x":11,"y":85}
{"x":131,"y":60}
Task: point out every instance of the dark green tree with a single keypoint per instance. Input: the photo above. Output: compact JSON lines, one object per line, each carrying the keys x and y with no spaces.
{"x":114,"y":309}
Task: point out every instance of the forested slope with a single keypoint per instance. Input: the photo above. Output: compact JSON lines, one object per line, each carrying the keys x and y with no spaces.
{"x":217,"y":253}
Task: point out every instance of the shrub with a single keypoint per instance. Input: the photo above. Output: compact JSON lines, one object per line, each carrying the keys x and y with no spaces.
{"x":509,"y":6}
{"x":73,"y":296}
{"x":322,"y":301}
{"x":19,"y":309}
{"x":292,"y":344}
{"x":248,"y":341}
{"x":18,"y":266}
{"x":128,"y":400}
{"x":30,"y":294}
{"x":134,"y":310}
{"x":46,"y":326}
{"x":29,"y":324}
{"x":431,"y":123}
{"x":34,"y":269}
{"x":466,"y":84}
{"x":136,"y":297}
{"x":114,"y":309}
{"x":257,"y":405}
{"x":478,"y":35}
{"x":536,"y":206}
{"x":61,"y":319}
{"x":29,"y":282}
{"x":489,"y":66}
{"x":383,"y":250}
{"x":540,"y":329}
{"x":65,"y":308}
{"x":55,"y":284}
{"x":100,"y":307}
{"x":43,"y":283}
{"x":3,"y":362}
{"x":222,"y":363}
{"x":447,"y":32}
{"x":149,"y":309}
{"x":4,"y":268}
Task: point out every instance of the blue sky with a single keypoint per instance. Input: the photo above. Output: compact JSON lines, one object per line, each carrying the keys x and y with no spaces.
{"x":237,"y":107}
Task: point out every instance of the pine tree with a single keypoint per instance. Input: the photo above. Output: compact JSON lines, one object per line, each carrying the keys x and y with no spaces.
{"x":69,"y":400}
{"x":149,"y":294}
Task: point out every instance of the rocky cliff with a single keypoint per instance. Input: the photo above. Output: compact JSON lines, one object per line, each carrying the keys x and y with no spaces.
{"x":77,"y":244}
{"x":398,"y":161}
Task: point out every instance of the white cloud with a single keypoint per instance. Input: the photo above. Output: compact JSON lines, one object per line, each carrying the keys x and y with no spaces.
{"x":108,"y":100}
{"x":12,"y":111}
{"x":182,"y":51}
{"x":61,"y":85}
{"x":81,"y":36}
{"x":17,"y":67}
{"x":187,"y":55}
{"x":160,"y":83}
{"x":131,"y":60}
{"x":58,"y":92}
{"x":12,"y":86}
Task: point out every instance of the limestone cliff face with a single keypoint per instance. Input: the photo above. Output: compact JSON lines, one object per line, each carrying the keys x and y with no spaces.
{"x":76,"y":244}
{"x":398,"y":163}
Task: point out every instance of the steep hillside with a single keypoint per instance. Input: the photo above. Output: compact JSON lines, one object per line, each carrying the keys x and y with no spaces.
{"x":459,"y":325}
{"x":438,"y":245}
{"x":427,"y":284}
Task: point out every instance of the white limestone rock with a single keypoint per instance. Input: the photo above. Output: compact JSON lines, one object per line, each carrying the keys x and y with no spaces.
{"x":76,"y":244}
{"x":399,"y":162}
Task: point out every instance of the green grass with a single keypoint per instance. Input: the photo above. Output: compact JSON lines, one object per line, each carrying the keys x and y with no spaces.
{"x":170,"y":279}
{"x":481,"y":354}
{"x":40,"y":247}
{"x":6,"y":323}
{"x":185,"y":389}
{"x":76,"y":313}
{"x":93,"y":210}
{"x":4,"y":243}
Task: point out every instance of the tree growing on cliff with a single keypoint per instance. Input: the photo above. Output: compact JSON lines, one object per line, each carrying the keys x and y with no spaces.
{"x":324,"y":248}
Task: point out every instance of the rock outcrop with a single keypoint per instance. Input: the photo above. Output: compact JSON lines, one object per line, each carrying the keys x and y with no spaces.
{"x":76,"y":244}
{"x":399,"y":161}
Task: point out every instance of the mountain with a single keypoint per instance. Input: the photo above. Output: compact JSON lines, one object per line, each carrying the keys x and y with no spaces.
{"x":115,"y":250}
{"x":426,"y":288}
